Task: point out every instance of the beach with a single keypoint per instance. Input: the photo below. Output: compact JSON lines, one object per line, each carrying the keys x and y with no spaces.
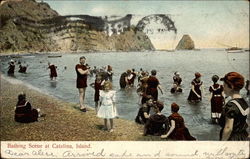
{"x":197,"y":117}
{"x":63,"y":120}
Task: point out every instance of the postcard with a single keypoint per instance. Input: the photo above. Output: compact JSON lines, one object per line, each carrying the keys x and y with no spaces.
{"x":124,"y":79}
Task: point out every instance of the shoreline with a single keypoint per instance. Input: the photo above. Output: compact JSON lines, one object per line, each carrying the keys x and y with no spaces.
{"x":23,"y":53}
{"x":63,"y":122}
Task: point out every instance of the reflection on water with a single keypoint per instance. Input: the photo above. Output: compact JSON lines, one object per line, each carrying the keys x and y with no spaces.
{"x":53,"y":83}
{"x":197,"y":117}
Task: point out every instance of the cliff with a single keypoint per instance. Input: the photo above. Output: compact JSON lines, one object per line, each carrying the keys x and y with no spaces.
{"x":29,"y":26}
{"x":186,"y":43}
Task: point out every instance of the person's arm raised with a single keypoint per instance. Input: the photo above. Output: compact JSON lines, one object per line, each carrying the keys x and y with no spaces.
{"x":83,"y":72}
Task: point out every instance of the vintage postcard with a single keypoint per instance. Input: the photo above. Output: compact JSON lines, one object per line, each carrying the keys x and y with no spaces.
{"x":124,"y":79}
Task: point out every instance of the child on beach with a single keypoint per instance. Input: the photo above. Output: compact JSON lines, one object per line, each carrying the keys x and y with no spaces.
{"x":97,"y":85}
{"x":107,"y":108}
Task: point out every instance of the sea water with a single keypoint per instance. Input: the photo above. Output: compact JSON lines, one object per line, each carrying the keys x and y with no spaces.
{"x":197,"y":117}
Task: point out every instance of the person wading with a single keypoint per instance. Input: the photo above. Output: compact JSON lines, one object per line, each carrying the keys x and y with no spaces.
{"x":82,"y":72}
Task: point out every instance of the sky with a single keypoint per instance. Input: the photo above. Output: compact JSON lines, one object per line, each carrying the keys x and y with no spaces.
{"x":211,"y":24}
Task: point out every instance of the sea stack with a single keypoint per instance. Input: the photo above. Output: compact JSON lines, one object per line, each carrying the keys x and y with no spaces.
{"x":186,"y":43}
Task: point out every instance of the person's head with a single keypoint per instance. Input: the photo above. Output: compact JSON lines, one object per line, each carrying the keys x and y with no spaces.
{"x":177,"y":74}
{"x":149,"y":100}
{"x":109,"y":68}
{"x":143,"y":73}
{"x":82,"y":60}
{"x":158,"y":106}
{"x":128,"y":71}
{"x":21,"y":96}
{"x":107,"y":86}
{"x":215,"y":78}
{"x":197,"y":75}
{"x":175,"y":107}
{"x":133,"y":70}
{"x":12,"y":61}
{"x":233,"y":83}
{"x":153,"y":72}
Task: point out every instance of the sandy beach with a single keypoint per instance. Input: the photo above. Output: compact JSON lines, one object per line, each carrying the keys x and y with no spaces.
{"x":63,"y":121}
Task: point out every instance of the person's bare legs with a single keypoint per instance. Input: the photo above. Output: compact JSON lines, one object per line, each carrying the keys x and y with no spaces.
{"x":105,"y":124}
{"x":81,"y":97}
{"x":111,"y":125}
{"x":96,"y":106}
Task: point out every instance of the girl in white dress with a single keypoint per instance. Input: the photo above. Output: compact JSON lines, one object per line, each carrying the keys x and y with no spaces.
{"x":107,"y":108}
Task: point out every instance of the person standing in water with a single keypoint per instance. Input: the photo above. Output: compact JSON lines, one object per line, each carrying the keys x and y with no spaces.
{"x":176,"y":88}
{"x":177,"y":79}
{"x":22,"y":68}
{"x":153,"y":85}
{"x":247,"y":87}
{"x":124,"y":79}
{"x":217,"y":99}
{"x":53,"y":73}
{"x":234,"y":113}
{"x":11,"y":70}
{"x":195,"y":95}
{"x":97,"y":85}
{"x":81,"y":82}
{"x":110,"y":73}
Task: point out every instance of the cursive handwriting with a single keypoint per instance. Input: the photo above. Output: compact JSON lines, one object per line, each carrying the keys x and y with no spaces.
{"x":39,"y":153}
{"x":13,"y":153}
{"x":43,"y":153}
{"x":221,"y":153}
{"x":224,"y":152}
{"x":83,"y":154}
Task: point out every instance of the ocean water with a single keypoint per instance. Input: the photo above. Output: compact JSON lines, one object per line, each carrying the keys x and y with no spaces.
{"x":197,"y":117}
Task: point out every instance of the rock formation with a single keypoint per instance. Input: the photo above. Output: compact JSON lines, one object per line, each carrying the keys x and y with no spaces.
{"x":186,"y":43}
{"x":29,"y":26}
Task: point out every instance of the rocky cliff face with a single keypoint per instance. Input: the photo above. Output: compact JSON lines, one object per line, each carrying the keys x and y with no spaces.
{"x":186,"y":43}
{"x":28,"y":26}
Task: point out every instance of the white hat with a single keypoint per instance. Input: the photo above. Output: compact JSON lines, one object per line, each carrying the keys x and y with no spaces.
{"x":11,"y":60}
{"x":177,"y":73}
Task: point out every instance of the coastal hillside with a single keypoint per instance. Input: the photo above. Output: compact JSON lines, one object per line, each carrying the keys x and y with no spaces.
{"x":30,"y":26}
